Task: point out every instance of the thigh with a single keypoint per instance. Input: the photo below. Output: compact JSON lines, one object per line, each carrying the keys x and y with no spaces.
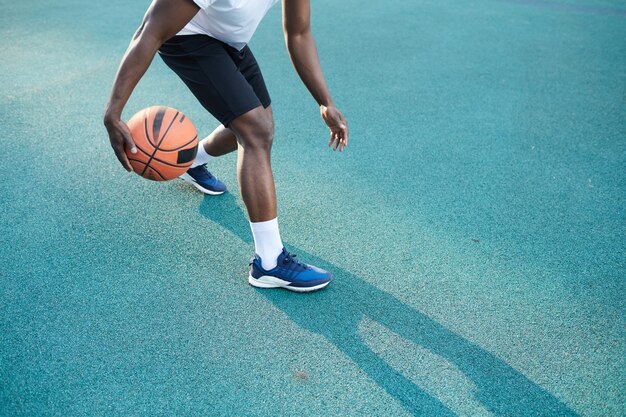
{"x":205,"y":65}
{"x":250,"y":69}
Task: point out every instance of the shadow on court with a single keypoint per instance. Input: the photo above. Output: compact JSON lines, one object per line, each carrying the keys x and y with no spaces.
{"x":339,"y":308}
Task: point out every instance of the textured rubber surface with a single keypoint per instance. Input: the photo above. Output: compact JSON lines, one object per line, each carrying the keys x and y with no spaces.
{"x":475,"y":225}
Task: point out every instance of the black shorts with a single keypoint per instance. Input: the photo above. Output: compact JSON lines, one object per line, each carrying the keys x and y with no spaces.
{"x":227,"y":82}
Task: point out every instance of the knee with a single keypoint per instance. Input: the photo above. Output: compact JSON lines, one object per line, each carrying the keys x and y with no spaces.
{"x":261,"y":135}
{"x":256,"y":131}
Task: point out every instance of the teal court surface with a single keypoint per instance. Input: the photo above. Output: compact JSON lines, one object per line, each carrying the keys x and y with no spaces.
{"x":475,"y":225}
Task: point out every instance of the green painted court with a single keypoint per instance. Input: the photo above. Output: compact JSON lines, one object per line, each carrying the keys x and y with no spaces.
{"x":475,"y":225}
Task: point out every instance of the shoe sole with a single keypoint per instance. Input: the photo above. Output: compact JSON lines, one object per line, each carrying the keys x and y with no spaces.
{"x":268,"y":281}
{"x":187,"y":178}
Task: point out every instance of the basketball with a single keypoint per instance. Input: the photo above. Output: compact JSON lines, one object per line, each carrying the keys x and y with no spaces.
{"x":166,"y":141}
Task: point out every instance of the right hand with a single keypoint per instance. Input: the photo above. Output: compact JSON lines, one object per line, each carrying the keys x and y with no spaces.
{"x":338,"y":126}
{"x":121,"y":140}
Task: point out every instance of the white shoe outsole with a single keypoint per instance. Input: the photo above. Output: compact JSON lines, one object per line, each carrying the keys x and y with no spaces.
{"x":188,"y":179}
{"x":268,"y":281}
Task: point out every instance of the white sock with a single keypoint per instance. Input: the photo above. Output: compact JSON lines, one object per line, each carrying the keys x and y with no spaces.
{"x":267,"y":242}
{"x":202,"y":157}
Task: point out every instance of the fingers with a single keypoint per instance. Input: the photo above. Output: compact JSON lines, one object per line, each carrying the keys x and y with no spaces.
{"x":128,"y":139}
{"x":338,"y":139}
{"x":334,"y":140}
{"x":338,"y":128}
{"x":342,"y":137}
{"x":121,"y":142}
{"x":121,"y":156}
{"x":344,"y":134}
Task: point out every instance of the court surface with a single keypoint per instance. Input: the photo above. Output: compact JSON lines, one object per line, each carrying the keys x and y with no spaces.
{"x":475,"y":225}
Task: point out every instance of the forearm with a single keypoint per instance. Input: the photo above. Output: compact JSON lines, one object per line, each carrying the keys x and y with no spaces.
{"x":133,"y":66}
{"x":303,"y":53}
{"x":163,"y":19}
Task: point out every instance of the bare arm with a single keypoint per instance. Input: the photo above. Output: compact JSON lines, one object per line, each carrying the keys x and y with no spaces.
{"x":303,"y":53}
{"x":163,"y":19}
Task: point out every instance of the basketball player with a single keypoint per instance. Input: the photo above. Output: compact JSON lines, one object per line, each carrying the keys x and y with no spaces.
{"x":205,"y":43}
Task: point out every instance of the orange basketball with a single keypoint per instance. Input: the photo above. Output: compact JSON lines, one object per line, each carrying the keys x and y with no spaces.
{"x":166,"y":141}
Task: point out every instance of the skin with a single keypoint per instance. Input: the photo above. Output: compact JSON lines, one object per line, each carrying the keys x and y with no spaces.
{"x":251,"y":134}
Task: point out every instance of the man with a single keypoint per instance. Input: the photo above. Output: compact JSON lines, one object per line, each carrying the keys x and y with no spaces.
{"x":205,"y":43}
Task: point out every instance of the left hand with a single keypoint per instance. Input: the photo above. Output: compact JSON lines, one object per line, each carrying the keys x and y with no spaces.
{"x":338,"y":126}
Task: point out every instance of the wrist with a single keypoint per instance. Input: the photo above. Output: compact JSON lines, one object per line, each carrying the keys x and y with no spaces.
{"x":111,"y":115}
{"x":326,"y":103}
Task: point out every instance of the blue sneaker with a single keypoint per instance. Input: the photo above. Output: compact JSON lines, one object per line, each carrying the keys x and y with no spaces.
{"x":203,"y":180}
{"x":289,"y":274}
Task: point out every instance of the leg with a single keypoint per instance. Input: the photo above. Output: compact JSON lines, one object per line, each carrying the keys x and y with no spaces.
{"x":220,"y":142}
{"x":255,"y":132}
{"x":229,"y":84}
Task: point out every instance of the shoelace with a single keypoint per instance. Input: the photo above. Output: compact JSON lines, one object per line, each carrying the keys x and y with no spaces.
{"x":206,"y":173}
{"x":291,"y":257}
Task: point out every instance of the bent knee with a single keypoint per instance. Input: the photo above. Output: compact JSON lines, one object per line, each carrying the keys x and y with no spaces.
{"x":260,"y":133}
{"x":263,"y":131}
{"x":255,"y":128}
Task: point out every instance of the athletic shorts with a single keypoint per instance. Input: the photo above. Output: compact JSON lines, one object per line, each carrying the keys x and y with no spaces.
{"x":227,"y":82}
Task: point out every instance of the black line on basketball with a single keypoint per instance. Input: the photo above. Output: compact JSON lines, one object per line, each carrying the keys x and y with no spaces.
{"x":143,"y":163}
{"x":167,"y":131}
{"x":160,"y":160}
{"x":156,"y":148}
{"x":145,"y":126}
{"x":136,"y":160}
{"x":169,"y":164}
{"x":158,"y":121}
{"x":136,"y":146}
{"x":158,"y":173}
{"x":180,"y":147}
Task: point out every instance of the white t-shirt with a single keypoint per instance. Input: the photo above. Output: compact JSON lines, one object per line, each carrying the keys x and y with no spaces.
{"x":231,"y":21}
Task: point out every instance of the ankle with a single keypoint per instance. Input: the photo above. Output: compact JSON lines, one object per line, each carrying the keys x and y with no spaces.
{"x":202,"y":157}
{"x":267,"y":242}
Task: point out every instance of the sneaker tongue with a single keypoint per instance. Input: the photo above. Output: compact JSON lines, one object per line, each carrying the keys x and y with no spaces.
{"x":285,"y":257}
{"x":202,"y":171}
{"x":290,"y":258}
